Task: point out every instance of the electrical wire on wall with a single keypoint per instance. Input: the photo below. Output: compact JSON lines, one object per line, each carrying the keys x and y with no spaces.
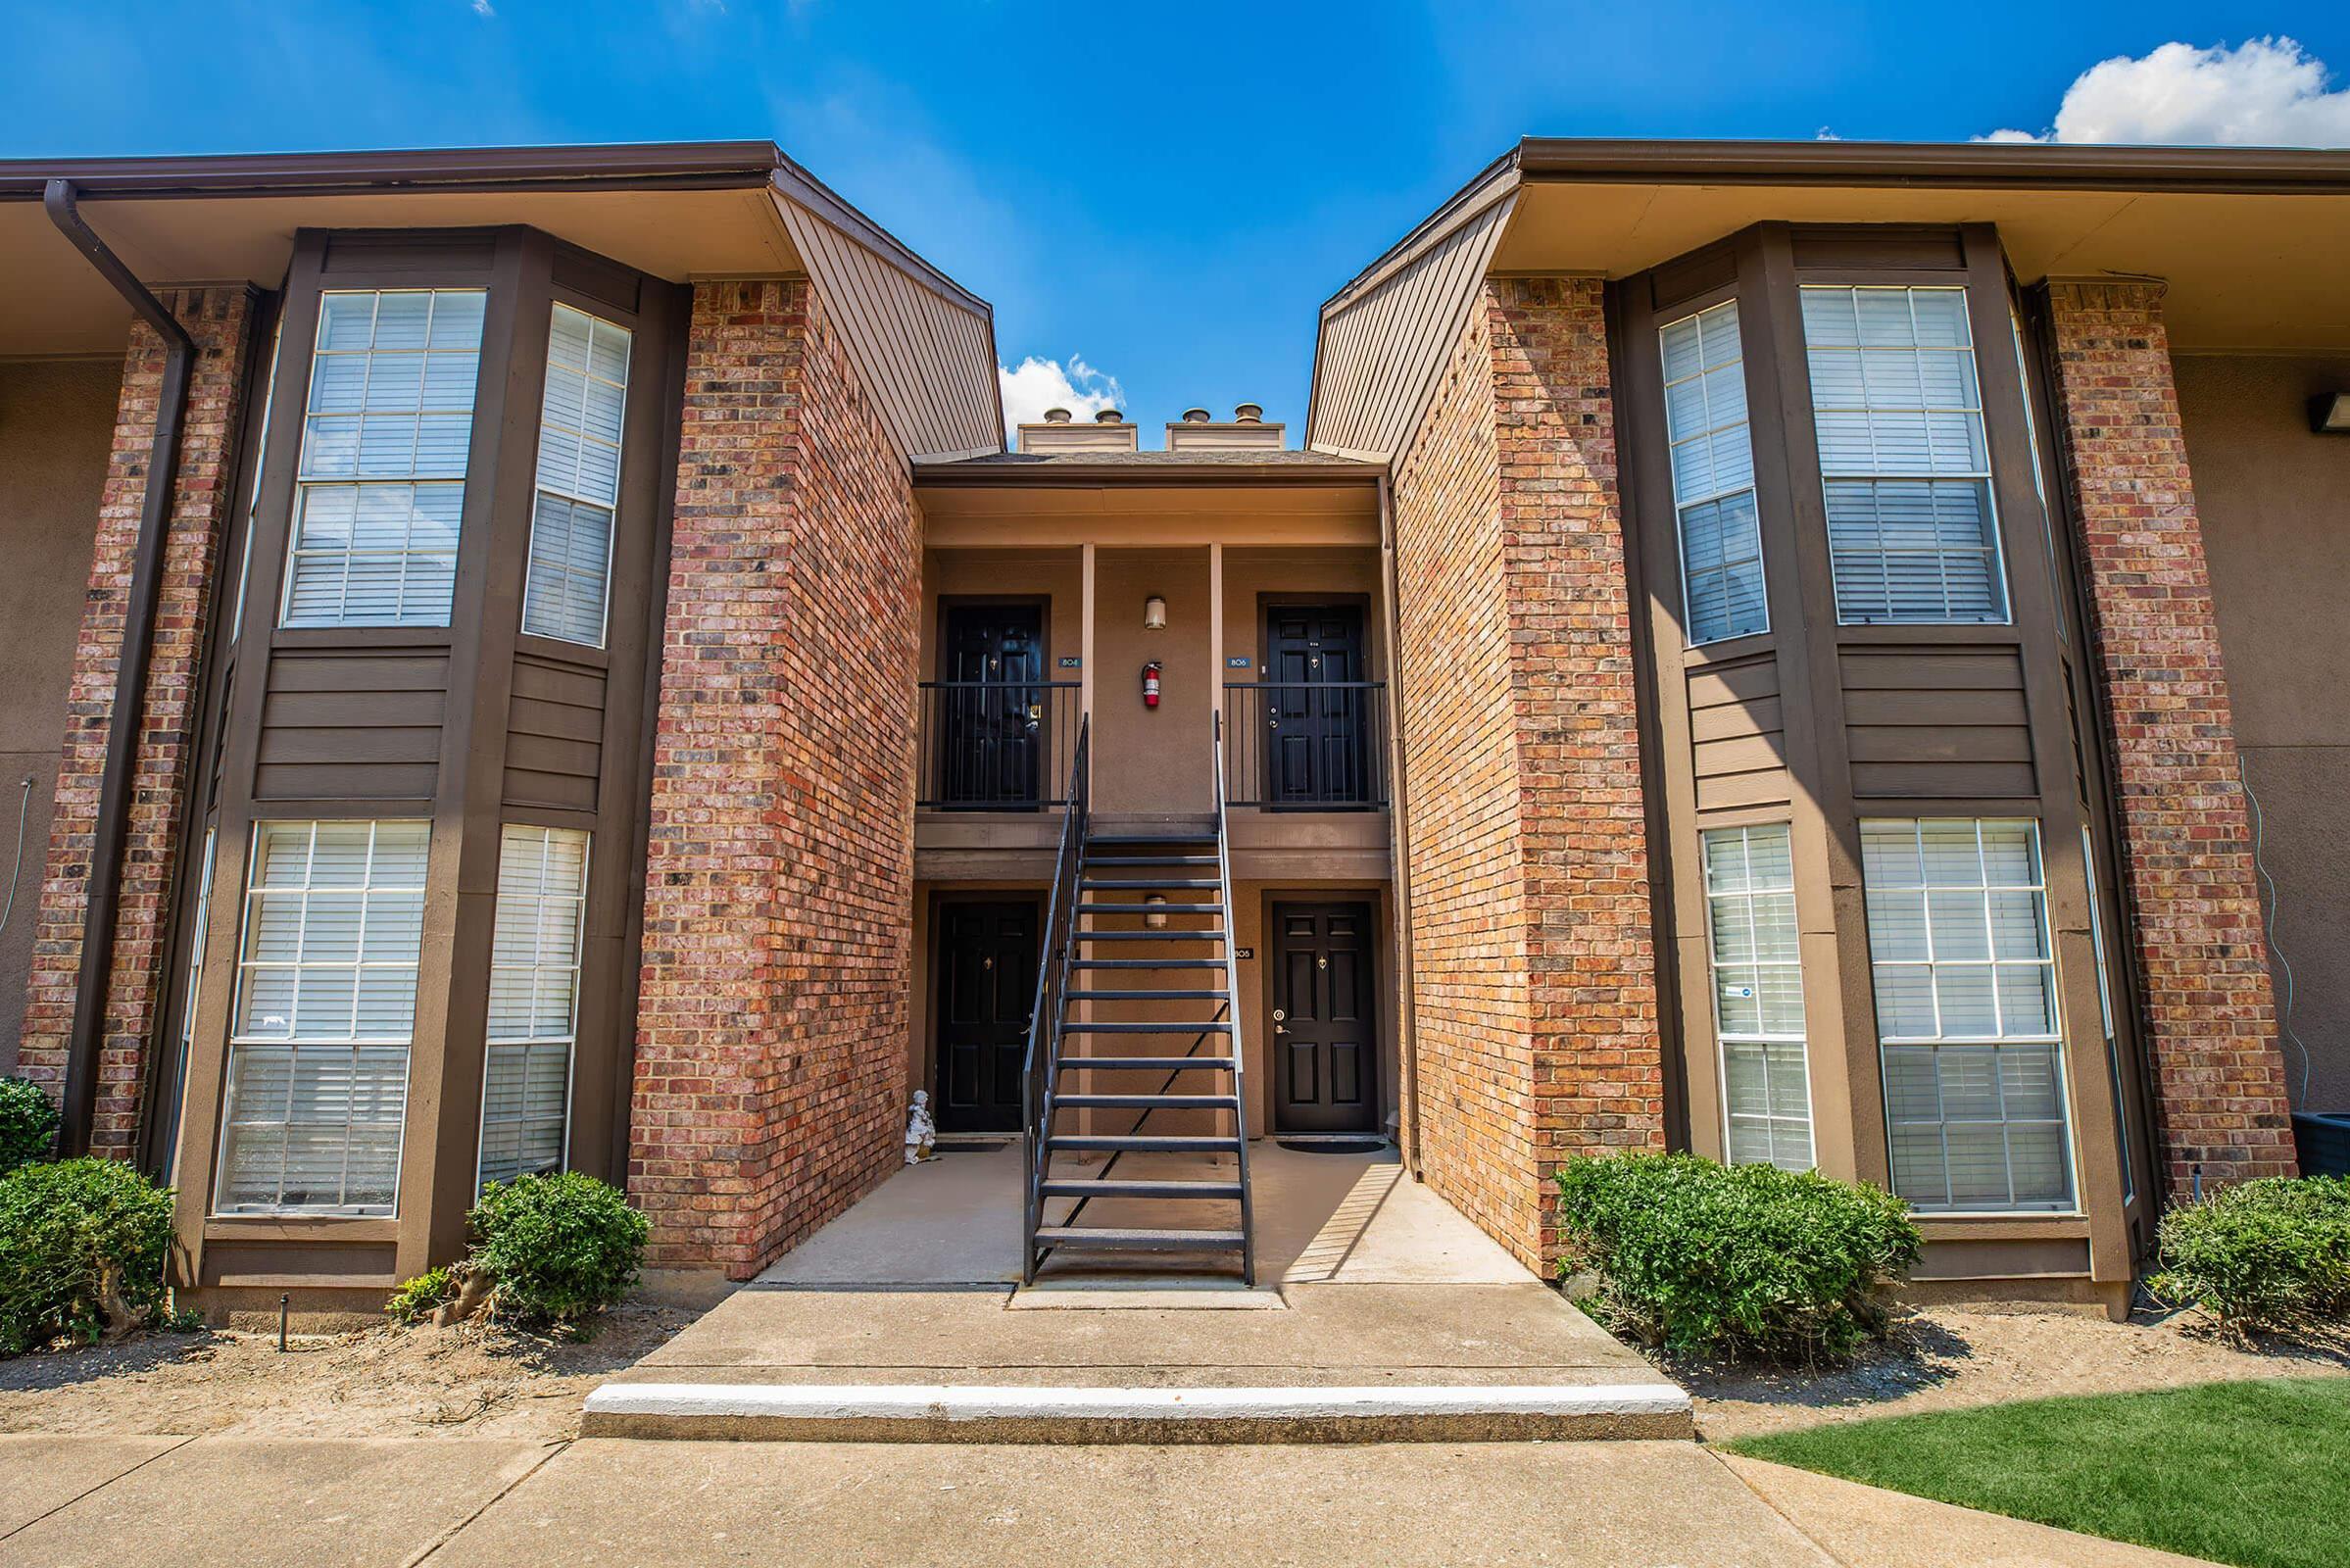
{"x":2285,"y":966}
{"x":23,"y":810}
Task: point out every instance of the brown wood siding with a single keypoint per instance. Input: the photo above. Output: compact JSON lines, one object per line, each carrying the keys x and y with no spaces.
{"x":1737,"y":738}
{"x":555,"y":734}
{"x":351,"y":724}
{"x":1935,"y":723}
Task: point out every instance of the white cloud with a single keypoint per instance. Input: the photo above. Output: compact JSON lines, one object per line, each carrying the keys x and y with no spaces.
{"x":2265,"y":92}
{"x":1041,"y":384}
{"x":482,"y":8}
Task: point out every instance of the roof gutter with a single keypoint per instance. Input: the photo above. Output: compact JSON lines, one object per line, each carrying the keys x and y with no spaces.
{"x":111,"y":830}
{"x":1965,"y":166}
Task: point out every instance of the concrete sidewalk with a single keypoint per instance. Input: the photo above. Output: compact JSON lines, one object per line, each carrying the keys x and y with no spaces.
{"x":98,"y":1502}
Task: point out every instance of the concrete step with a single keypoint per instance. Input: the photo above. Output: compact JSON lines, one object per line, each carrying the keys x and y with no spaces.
{"x":904,"y":1412}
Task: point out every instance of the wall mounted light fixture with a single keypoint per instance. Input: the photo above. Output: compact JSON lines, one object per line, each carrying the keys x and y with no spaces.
{"x":1155,"y":614}
{"x":1155,"y":919}
{"x":2330,"y":414}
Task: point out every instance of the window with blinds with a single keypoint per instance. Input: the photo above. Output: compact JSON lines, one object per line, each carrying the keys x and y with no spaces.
{"x":534,"y":1000}
{"x":1965,"y":984}
{"x":1911,"y":531}
{"x":380,"y":487}
{"x":325,"y":1005}
{"x":578,"y":478}
{"x":1713,"y":475}
{"x":1759,"y":994}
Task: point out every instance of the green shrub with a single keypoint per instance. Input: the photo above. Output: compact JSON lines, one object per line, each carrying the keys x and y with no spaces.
{"x":82,"y":1243}
{"x":417,"y":1300}
{"x":561,"y":1248}
{"x":28,"y":1124}
{"x":1745,"y":1262}
{"x":2272,"y":1254}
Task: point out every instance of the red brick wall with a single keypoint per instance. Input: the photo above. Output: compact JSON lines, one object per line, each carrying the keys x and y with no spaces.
{"x":770,"y":1067}
{"x":1533,"y":960}
{"x":217,"y":318}
{"x":2186,"y":839}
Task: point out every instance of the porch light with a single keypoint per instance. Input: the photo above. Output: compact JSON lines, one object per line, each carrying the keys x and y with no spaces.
{"x":2330,"y":414}
{"x":1155,"y":614}
{"x":1155,"y":919}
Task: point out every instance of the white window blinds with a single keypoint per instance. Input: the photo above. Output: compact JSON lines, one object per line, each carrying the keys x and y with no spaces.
{"x":534,"y":1000}
{"x":1759,"y":994}
{"x":380,"y":489}
{"x":1713,"y":475}
{"x":1966,"y":1013}
{"x":1895,"y":399}
{"x":578,"y":478}
{"x":325,"y":1003}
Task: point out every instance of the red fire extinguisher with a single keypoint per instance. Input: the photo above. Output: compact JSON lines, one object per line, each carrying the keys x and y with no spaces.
{"x":1150,"y":684}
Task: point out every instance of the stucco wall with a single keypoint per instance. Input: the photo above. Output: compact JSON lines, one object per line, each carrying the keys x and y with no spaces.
{"x":2276,"y":507}
{"x":56,"y":421}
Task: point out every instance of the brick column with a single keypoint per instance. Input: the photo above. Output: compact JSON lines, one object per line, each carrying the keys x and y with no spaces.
{"x":2186,"y":836}
{"x":218,"y":320}
{"x":771,"y":1022}
{"x":1532,"y":960}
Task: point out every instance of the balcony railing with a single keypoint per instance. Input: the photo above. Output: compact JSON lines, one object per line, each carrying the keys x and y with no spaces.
{"x":1307,"y":746}
{"x":995,"y":744}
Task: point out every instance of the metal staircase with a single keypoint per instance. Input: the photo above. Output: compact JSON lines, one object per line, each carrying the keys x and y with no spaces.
{"x":1096,"y":1075}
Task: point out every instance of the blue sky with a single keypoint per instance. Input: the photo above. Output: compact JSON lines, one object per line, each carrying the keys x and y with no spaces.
{"x":1167,"y":191}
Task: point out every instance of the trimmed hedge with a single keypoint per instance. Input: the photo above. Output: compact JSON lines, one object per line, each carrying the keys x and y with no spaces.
{"x":27,"y":1123}
{"x":82,"y":1243}
{"x":561,"y":1247}
{"x":1739,"y":1261}
{"x":2272,"y":1255}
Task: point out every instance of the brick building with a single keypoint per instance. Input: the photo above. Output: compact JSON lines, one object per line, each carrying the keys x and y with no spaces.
{"x":1812,"y":653}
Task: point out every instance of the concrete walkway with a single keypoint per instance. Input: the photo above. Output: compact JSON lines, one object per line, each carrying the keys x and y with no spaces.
{"x":98,"y":1502}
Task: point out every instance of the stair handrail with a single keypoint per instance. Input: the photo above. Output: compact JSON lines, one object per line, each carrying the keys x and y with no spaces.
{"x":1232,"y":990}
{"x":1038,"y":1073}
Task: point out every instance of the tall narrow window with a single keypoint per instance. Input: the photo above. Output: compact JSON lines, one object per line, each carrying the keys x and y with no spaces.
{"x":191,"y":994}
{"x":268,"y":407}
{"x":534,"y":1000}
{"x":385,"y":437}
{"x":1713,"y":475}
{"x":326,"y":1006}
{"x":1966,"y":1013}
{"x":578,"y":478}
{"x":2039,"y":480}
{"x":1911,"y":530}
{"x":1759,"y":994}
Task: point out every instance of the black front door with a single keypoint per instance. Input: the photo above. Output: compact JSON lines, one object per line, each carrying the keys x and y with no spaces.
{"x":986,"y":986}
{"x":1325,"y":1056}
{"x":992,"y":713}
{"x":1315,"y":705}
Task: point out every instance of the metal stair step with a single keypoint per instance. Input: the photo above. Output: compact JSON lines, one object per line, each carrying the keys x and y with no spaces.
{"x":1152,"y":882}
{"x":1157,"y":1241}
{"x":1144,"y":1063}
{"x":1142,"y":996}
{"x":1148,"y":964}
{"x":1104,"y":1187}
{"x":1144,"y":1143}
{"x":1149,"y":860}
{"x":1148,"y":1102}
{"x":1208,"y":837}
{"x":1150,"y":908}
{"x":1149,"y":936}
{"x":1182,"y":1026}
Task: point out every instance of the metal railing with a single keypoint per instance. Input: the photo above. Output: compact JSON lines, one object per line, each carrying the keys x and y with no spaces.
{"x":1305,"y":746}
{"x":1232,"y":991}
{"x":1044,"y":1022}
{"x":995,"y":744}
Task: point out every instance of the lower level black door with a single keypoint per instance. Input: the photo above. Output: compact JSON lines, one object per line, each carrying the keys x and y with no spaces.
{"x":986,"y":986}
{"x":1325,"y":1056}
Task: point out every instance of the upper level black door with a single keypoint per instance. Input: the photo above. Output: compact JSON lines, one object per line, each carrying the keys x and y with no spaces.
{"x":992,"y":711}
{"x":1324,"y":1043}
{"x":1316,"y":705}
{"x":986,"y":957}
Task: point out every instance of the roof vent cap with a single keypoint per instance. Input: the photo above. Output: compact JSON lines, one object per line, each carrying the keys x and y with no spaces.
{"x":1195,"y":417}
{"x":1057,"y":415}
{"x":1109,"y":416}
{"x":1250,"y":413}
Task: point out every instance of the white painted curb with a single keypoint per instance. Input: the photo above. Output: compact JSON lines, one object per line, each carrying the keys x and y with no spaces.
{"x":937,"y":1402}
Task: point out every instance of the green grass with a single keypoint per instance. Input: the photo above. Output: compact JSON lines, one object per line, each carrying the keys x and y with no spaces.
{"x":2256,"y":1474}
